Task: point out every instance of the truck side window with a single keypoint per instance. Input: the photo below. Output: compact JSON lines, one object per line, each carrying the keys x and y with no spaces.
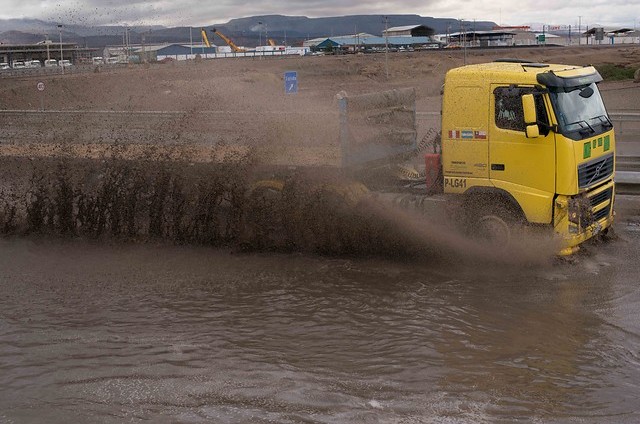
{"x":509,"y":114}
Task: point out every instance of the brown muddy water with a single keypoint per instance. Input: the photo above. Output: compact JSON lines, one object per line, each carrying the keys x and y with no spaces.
{"x":115,"y":332}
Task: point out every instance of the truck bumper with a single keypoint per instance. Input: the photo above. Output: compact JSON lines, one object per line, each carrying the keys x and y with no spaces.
{"x":579,"y":218}
{"x":572,"y":244}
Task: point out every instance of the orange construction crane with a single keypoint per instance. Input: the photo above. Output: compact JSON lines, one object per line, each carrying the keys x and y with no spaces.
{"x":229,"y":42}
{"x":205,"y":39}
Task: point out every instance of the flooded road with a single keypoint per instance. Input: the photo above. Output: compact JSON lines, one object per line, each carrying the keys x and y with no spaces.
{"x":124,"y":333}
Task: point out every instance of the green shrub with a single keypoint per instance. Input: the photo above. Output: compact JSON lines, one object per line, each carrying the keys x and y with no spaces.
{"x":611,"y":72}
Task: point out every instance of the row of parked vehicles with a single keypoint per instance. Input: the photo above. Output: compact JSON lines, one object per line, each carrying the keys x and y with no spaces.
{"x":27,"y":64}
{"x":98,"y":60}
{"x":53,"y":63}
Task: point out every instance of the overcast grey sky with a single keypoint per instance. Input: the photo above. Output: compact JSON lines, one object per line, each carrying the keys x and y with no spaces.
{"x":204,"y":12}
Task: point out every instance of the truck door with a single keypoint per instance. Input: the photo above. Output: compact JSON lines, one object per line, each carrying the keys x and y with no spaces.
{"x":464,"y":136}
{"x":525,"y":167}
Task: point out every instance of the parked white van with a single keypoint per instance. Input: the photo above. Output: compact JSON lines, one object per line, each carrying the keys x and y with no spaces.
{"x":4,"y":66}
{"x":50,"y":63}
{"x":65,"y":63}
{"x":97,"y":60}
{"x":33,"y":64}
{"x":18,"y":64}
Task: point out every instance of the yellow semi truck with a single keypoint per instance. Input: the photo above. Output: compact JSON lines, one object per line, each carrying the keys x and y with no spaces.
{"x":529,"y":142}
{"x":522,"y":145}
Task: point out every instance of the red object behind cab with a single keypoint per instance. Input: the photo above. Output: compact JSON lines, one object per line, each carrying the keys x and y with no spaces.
{"x":433,"y":172}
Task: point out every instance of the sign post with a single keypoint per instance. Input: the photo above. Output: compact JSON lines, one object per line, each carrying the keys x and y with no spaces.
{"x":291,"y":82}
{"x":40,"y":87}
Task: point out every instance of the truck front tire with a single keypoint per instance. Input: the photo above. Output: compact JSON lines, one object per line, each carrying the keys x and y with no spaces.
{"x":494,"y":222}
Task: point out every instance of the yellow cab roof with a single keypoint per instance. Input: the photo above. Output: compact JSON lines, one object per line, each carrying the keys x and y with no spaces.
{"x":517,"y":72}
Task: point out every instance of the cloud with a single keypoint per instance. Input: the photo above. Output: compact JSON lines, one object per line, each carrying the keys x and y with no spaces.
{"x":196,"y":13}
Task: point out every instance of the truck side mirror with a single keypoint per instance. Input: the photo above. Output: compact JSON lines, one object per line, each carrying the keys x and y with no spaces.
{"x":529,"y":108}
{"x":530,"y":116}
{"x":533,"y":131}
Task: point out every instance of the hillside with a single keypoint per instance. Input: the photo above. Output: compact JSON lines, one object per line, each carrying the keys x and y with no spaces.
{"x":244,"y":31}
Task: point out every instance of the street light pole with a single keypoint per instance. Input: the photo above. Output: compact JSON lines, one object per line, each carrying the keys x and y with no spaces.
{"x":61,"y":57}
{"x":579,"y":30}
{"x":464,"y":41}
{"x":386,"y":46}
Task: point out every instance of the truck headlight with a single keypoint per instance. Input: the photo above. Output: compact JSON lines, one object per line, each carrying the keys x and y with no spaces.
{"x":574,"y":211}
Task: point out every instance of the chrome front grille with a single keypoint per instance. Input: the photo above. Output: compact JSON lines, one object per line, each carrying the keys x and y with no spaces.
{"x":595,"y":171}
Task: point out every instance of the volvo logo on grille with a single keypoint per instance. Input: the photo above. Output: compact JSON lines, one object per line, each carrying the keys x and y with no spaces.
{"x":597,"y":172}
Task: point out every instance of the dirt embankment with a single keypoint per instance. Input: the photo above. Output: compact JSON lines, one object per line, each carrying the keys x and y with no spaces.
{"x":256,"y":84}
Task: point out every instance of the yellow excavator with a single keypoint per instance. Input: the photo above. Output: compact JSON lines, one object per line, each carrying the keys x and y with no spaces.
{"x":230,"y":43}
{"x":272,"y":43}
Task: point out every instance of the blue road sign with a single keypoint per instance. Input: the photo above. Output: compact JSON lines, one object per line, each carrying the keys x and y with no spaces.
{"x":291,"y":82}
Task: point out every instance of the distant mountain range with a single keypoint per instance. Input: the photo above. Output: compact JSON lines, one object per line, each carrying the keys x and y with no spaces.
{"x":248,"y":31}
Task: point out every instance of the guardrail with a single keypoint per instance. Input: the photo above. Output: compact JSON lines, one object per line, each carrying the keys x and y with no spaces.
{"x":626,"y":123}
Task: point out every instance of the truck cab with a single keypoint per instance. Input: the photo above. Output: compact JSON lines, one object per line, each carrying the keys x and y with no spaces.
{"x":534,"y":140}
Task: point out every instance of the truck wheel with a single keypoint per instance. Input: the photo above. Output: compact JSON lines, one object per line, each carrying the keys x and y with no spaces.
{"x":495,"y":224}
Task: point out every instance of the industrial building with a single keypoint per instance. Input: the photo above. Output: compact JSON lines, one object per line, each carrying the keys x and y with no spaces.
{"x":42,"y":51}
{"x":396,"y":38}
{"x":409,"y":31}
{"x":153,"y":53}
{"x":478,"y":38}
{"x":367,"y":42}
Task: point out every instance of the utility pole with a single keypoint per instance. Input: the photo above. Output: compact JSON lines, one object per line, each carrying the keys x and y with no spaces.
{"x":125,"y":44}
{"x":474,"y":32}
{"x":129,"y":42}
{"x":464,"y":41}
{"x":386,"y":46}
{"x":144,"y":54}
{"x":579,"y":30}
{"x":61,"y":57}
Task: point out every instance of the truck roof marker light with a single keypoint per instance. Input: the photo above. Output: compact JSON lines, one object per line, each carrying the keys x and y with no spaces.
{"x":534,"y":65}
{"x":512,"y":60}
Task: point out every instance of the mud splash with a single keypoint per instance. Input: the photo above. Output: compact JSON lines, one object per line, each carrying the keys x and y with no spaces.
{"x":122,"y":199}
{"x":227,"y":204}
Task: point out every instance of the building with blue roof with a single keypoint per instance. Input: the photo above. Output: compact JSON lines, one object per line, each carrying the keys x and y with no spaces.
{"x":368,"y":42}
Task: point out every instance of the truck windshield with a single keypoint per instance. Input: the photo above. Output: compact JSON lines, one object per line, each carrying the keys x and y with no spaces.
{"x":580,"y":111}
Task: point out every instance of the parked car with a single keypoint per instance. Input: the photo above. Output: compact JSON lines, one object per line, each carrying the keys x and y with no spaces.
{"x":97,"y":60}
{"x":49,"y":63}
{"x":18,"y":64}
{"x":65,"y":63}
{"x":33,"y":64}
{"x":4,"y":66}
